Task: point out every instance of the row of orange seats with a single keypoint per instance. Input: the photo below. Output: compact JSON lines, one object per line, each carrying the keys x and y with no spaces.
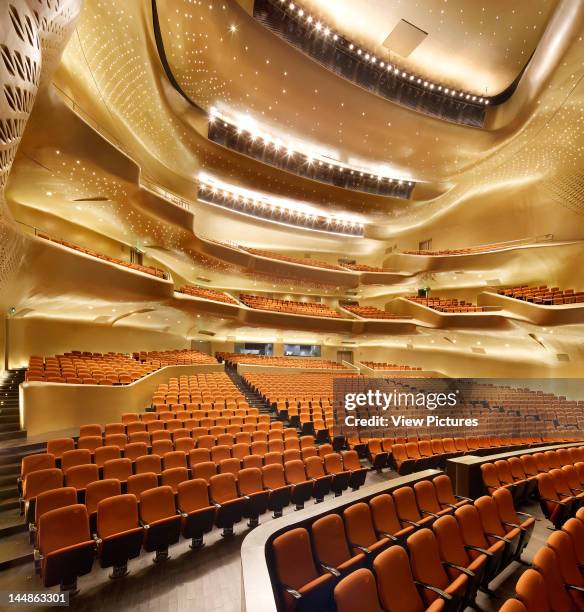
{"x":558,"y":476}
{"x":177,"y":357}
{"x":555,"y":580}
{"x":543,"y":295}
{"x":120,"y":262}
{"x":187,"y":506}
{"x":371,"y":312}
{"x":455,"y":547}
{"x":207,"y":294}
{"x":379,"y":365}
{"x":315,"y":263}
{"x":450,"y":305}
{"x":311,"y":309}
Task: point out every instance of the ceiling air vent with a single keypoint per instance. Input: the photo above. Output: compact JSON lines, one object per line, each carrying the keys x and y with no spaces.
{"x":563,"y":357}
{"x":202,"y":279}
{"x":205,"y":332}
{"x":478,"y":350}
{"x":348,"y":342}
{"x":404,"y":38}
{"x":92,"y":199}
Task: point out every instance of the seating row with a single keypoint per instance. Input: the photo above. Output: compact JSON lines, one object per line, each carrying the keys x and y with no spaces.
{"x":543,"y":295}
{"x":379,"y":365}
{"x":451,"y":305}
{"x":315,"y":263}
{"x":371,"y":312}
{"x":453,"y":551}
{"x":311,"y":309}
{"x":555,"y":581}
{"x":207,"y":294}
{"x":283,"y":362}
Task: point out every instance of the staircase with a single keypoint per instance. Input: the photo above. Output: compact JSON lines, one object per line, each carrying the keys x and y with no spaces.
{"x":253,"y":399}
{"x":9,"y":410}
{"x":14,"y":548}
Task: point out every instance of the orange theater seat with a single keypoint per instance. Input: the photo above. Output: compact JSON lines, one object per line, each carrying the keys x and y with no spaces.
{"x":358,"y":591}
{"x":230,"y":505}
{"x":161,"y":522}
{"x":198,"y":514}
{"x":119,"y":531}
{"x":65,"y":546}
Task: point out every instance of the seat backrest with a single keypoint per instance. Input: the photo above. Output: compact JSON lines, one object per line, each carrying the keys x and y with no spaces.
{"x":273,"y":476}
{"x":546,"y":562}
{"x":293,"y":560}
{"x":193,"y":495}
{"x":516,"y":467}
{"x":80,"y":476}
{"x":426,"y":496}
{"x":249,"y":481}
{"x":295,"y":472}
{"x":562,"y":544}
{"x":141,"y":482}
{"x":105,"y":453}
{"x":231,"y":465}
{"x":333,"y":463}
{"x":489,"y":515}
{"x":395,"y":583}
{"x":148,"y":463}
{"x":359,"y":525}
{"x":89,"y":430}
{"x":205,"y":470}
{"x":450,"y":542}
{"x":157,"y":504}
{"x":314,"y":467}
{"x":223,"y":488}
{"x":471,"y":528}
{"x":490,"y":476}
{"x":39,"y":461}
{"x":513,"y":605}
{"x":425,"y":561}
{"x":529,"y":465}
{"x":351,"y":460}
{"x":117,"y":515}
{"x":100,"y":489}
{"x":505,"y":507}
{"x":405,"y":504}
{"x":42,"y":480}
{"x":58,"y":446}
{"x":75,"y":457}
{"x":532,"y":592}
{"x":357,"y":591}
{"x":384,"y":514}
{"x":62,"y":528}
{"x":174,"y":459}
{"x":53,"y":499}
{"x":330,"y":540}
{"x":443,"y":487}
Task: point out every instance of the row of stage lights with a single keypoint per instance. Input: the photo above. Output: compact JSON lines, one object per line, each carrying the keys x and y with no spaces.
{"x":265,"y":207}
{"x":326,"y":32}
{"x":310,"y":157}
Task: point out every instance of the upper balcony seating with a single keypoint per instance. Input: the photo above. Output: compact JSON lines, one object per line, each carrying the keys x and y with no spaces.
{"x":120,"y":262}
{"x":371,"y":312}
{"x":88,"y":368}
{"x":315,"y":263}
{"x":207,"y":294}
{"x":446,"y":305}
{"x":378,"y":365}
{"x":282,"y":362}
{"x":366,"y":268}
{"x":310,"y":309}
{"x":177,"y":357}
{"x":543,"y":295}
{"x":79,"y":367}
{"x":483,"y":248}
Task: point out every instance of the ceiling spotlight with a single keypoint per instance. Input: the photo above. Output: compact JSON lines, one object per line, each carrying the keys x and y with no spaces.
{"x":335,"y":37}
{"x":318,"y":26}
{"x":233,"y":28}
{"x":300,"y":12}
{"x":351,"y":46}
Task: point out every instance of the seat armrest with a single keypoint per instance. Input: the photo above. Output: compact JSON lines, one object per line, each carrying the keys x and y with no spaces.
{"x":461,"y":569}
{"x":462,"y":498}
{"x":292,"y":591}
{"x":498,"y":537}
{"x":573,"y":587}
{"x":332,"y":570}
{"x":410,"y":522}
{"x":430,"y":513}
{"x":483,"y":551}
{"x":524,"y":514}
{"x":364,"y":549}
{"x":389,"y":536}
{"x":554,"y":501}
{"x":446,"y":596}
{"x":511,"y":524}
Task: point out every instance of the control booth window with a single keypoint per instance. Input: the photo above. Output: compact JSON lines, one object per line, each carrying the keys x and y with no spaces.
{"x":254,"y":348}
{"x":302,"y":350}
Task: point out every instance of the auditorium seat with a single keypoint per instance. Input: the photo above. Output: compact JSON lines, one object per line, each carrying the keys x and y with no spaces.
{"x":570,"y":570}
{"x":495,"y":530}
{"x":119,"y":533}
{"x":79,"y":476}
{"x":385,"y":520}
{"x":230,"y":505}
{"x":322,"y":482}
{"x":274,"y":481}
{"x":357,"y":591}
{"x":138,"y":483}
{"x":333,"y":464}
{"x":65,"y":546}
{"x":445,"y":495}
{"x":73,"y":458}
{"x":513,"y":605}
{"x":302,"y":488}
{"x":353,"y":465}
{"x":555,"y":508}
{"x":428,"y":568}
{"x":97,"y":491}
{"x":395,"y":584}
{"x":120,"y":469}
{"x":559,"y":594}
{"x":161,"y":522}
{"x":532,"y":592}
{"x":301,"y":585}
{"x":512,"y":519}
{"x":574,"y":527}
{"x":172,"y":477}
{"x":251,"y":487}
{"x":58,"y":446}
{"x":197,"y":511}
{"x":361,"y":533}
{"x":427,"y":499}
{"x":407,"y":510}
{"x":51,"y":500}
